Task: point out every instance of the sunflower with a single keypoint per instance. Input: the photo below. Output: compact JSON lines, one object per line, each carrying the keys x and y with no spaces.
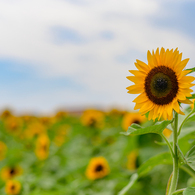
{"x":13,"y":125}
{"x":162,"y":84}
{"x":92,"y":118}
{"x":97,"y":168}
{"x":34,"y":129}
{"x":12,"y":187}
{"x":11,"y":172}
{"x":5,"y":114}
{"x":132,"y":160}
{"x":42,"y":147}
{"x":61,"y":134}
{"x":130,"y":118}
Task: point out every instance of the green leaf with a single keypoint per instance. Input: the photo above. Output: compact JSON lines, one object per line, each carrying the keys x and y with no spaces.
{"x":136,"y":129}
{"x":190,"y":158}
{"x":189,"y":191}
{"x":163,"y":158}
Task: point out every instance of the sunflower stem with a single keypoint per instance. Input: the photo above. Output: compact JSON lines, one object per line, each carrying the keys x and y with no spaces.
{"x":175,"y":158}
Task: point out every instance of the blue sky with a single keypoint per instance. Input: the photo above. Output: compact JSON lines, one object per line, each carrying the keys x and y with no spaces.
{"x":77,"y":53}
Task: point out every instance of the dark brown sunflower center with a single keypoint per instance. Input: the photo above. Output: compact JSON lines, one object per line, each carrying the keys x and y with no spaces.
{"x":13,"y":187}
{"x":99,"y":168}
{"x":12,"y":171}
{"x":136,"y":122}
{"x":161,"y":85}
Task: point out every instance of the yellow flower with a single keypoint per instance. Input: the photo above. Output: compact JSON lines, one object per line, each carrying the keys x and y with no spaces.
{"x":13,"y":125}
{"x":42,"y":147}
{"x":131,"y":160}
{"x":12,"y":187}
{"x":3,"y":150}
{"x":92,"y":118}
{"x":34,"y":129}
{"x":60,"y":115}
{"x":61,"y":133}
{"x":162,"y":84}
{"x":5,"y":114}
{"x":130,"y":118}
{"x":167,"y":133}
{"x":10,"y":172}
{"x":97,"y":168}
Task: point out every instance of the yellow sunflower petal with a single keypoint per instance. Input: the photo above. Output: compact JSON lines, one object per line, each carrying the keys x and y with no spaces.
{"x":157,"y":56}
{"x":180,"y":112}
{"x":183,"y":74}
{"x":151,"y":114}
{"x":186,"y":101}
{"x":150,"y":60}
{"x":146,"y":107}
{"x":162,"y":55}
{"x":138,"y":106}
{"x":137,"y":73}
{"x":137,"y":80}
{"x":182,"y":65}
{"x":181,"y":96}
{"x":187,"y":79}
{"x":142,"y":66}
{"x":135,"y":89}
{"x":176,"y":106}
{"x":141,"y":98}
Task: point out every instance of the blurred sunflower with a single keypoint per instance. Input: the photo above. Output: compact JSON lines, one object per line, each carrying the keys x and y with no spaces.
{"x":162,"y":84}
{"x":11,"y":172}
{"x":132,"y":160}
{"x":13,"y":125}
{"x":5,"y":114}
{"x":34,"y":129}
{"x":3,"y":150}
{"x":97,"y":168}
{"x":92,"y":118}
{"x":130,"y":118}
{"x":167,"y":133}
{"x":12,"y":187}
{"x":61,"y":133}
{"x":42,"y":147}
{"x":60,"y":115}
{"x":46,"y":121}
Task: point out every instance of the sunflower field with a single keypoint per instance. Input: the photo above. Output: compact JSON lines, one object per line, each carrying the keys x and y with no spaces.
{"x":87,"y":153}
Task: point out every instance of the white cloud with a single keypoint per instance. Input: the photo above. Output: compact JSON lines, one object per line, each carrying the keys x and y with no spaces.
{"x":26,"y":35}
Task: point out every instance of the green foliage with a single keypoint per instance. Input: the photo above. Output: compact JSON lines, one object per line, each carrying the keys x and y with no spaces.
{"x":157,"y":128}
{"x":163,"y":158}
{"x":190,"y":158}
{"x":189,"y":191}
